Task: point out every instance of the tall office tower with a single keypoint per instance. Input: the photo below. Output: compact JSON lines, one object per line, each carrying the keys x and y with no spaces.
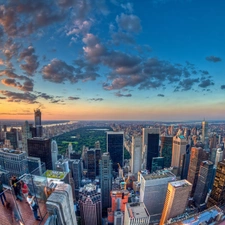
{"x":213,"y":155}
{"x":197,"y":156}
{"x":204,"y":130}
{"x":150,"y":145}
{"x":98,"y":155}
{"x":90,"y":205}
{"x":60,"y":205}
{"x":37,"y":122}
{"x":26,"y":134}
{"x":153,"y":191}
{"x":136,"y":153}
{"x":41,"y":148}
{"x":176,"y":199}
{"x":185,"y":163}
{"x":179,"y":148}
{"x":115,"y":147}
{"x":219,"y":156}
{"x":166,"y":150}
{"x":91,"y":164}
{"x":204,"y":179}
{"x":34,"y":166}
{"x":218,"y":189}
{"x":213,"y":141}
{"x":157,"y":164}
{"x":105,"y":167}
{"x":75,"y":168}
{"x":119,"y":198}
{"x":187,"y":132}
{"x":136,"y":214}
{"x":13,"y":161}
{"x":54,"y":151}
{"x":12,"y":135}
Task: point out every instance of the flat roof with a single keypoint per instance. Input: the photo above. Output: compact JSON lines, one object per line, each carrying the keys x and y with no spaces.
{"x":158,"y":174}
{"x":137,"y":210}
{"x":180,"y":183}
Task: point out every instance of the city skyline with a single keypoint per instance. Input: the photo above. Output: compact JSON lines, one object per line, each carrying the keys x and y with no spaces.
{"x":112,"y":60}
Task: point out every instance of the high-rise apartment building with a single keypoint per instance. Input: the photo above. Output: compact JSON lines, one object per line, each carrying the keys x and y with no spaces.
{"x":26,"y":134}
{"x":197,"y":156}
{"x":136,"y":214}
{"x":90,"y":205}
{"x":150,"y":145}
{"x":176,"y":199}
{"x":218,"y":189}
{"x":153,"y":191}
{"x":136,"y":154}
{"x":41,"y":148}
{"x":37,"y":122}
{"x":179,"y":148}
{"x":166,"y":150}
{"x":54,"y":151}
{"x":105,"y":167}
{"x":115,"y":147}
{"x":203,"y":182}
{"x":219,"y":156}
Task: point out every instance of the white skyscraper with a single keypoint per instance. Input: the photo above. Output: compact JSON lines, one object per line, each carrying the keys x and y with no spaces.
{"x":136,"y":153}
{"x":54,"y":151}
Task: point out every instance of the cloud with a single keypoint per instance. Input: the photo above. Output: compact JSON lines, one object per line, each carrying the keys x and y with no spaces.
{"x":122,"y":37}
{"x":58,"y":72}
{"x":118,"y":94}
{"x":66,"y":3}
{"x":31,"y":64}
{"x":73,"y":98}
{"x":188,"y":83}
{"x":223,"y":87}
{"x":79,"y":27}
{"x":10,"y":49}
{"x":206,"y":83}
{"x":19,"y":97}
{"x":128,"y":7}
{"x":1,"y":98}
{"x":96,"y":99}
{"x":130,"y":23}
{"x":161,"y":95}
{"x":213,"y":59}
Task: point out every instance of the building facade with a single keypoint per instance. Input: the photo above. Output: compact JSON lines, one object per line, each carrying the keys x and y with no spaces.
{"x":115,"y":147}
{"x":166,"y":150}
{"x":136,"y":154}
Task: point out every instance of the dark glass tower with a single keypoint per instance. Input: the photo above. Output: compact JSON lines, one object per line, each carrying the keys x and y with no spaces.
{"x":204,"y":179}
{"x":91,"y":164}
{"x":151,"y":145}
{"x":185,"y":163}
{"x":218,"y":190}
{"x":115,"y":147}
{"x":37,"y":122}
{"x":41,"y":148}
{"x":166,"y":150}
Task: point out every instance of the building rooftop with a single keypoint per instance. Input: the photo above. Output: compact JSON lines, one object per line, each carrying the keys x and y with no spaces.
{"x":137,"y":210}
{"x":54,"y":174}
{"x":11,"y":151}
{"x":158,"y":174}
{"x":180,"y":183}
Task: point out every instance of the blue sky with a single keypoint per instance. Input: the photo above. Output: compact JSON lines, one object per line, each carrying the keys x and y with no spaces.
{"x":98,"y":59}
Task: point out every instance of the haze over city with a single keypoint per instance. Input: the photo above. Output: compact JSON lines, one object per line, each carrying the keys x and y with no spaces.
{"x":112,"y":60}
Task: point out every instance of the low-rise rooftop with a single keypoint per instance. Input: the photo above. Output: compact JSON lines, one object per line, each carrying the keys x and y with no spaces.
{"x":137,"y":210}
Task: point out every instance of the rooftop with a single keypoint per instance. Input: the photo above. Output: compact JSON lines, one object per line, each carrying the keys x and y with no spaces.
{"x":158,"y":174}
{"x":11,"y":151}
{"x":54,"y":174}
{"x":137,"y":210}
{"x":180,"y":183}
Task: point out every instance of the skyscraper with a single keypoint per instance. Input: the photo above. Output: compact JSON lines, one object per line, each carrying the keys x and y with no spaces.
{"x":176,"y":199}
{"x":91,"y":163}
{"x":115,"y":146}
{"x":105,"y":167}
{"x":12,"y":135}
{"x":26,"y":134}
{"x":90,"y":205}
{"x":179,"y":148}
{"x":204,"y":130}
{"x":37,"y":122}
{"x":203,"y":182}
{"x":54,"y":150}
{"x":166,"y":150}
{"x":197,"y":156}
{"x":150,"y":145}
{"x":218,"y":190}
{"x":41,"y":148}
{"x":136,"y":214}
{"x":185,"y":163}
{"x":136,"y":153}
{"x":153,"y":191}
{"x":219,"y":156}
